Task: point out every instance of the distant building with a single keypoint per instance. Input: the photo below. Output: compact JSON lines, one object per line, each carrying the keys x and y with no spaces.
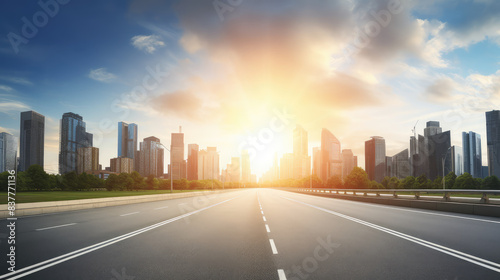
{"x":177,"y":162}
{"x":192,"y":162}
{"x":400,"y":165}
{"x":208,"y":164}
{"x":493,"y":142}
{"x":8,"y":152}
{"x":32,"y":140}
{"x":127,"y":139}
{"x":286,"y":166}
{"x":348,"y":161}
{"x":484,"y":170}
{"x":331,"y":157}
{"x":234,"y":169}
{"x":73,"y":136}
{"x":151,"y":157}
{"x":457,"y":160}
{"x":122,"y":165}
{"x":87,"y":160}
{"x":472,"y":154}
{"x":301,"y":160}
{"x":317,"y":161}
{"x":375,"y":158}
{"x":245,"y":167}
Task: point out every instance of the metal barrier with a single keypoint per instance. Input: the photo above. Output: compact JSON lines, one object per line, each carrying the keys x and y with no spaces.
{"x":416,"y":192}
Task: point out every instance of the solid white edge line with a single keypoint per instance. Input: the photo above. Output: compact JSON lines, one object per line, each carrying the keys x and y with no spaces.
{"x":281,"y":274}
{"x":267,"y":228}
{"x":88,"y":249}
{"x":273,"y":246}
{"x":65,"y":225}
{"x":129,"y":214}
{"x":431,"y":245}
{"x":400,"y":208}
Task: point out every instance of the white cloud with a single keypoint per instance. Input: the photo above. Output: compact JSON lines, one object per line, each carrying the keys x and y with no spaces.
{"x":16,"y":80}
{"x":5,"y":88}
{"x":11,"y":106}
{"x":101,"y":75}
{"x":148,"y":44}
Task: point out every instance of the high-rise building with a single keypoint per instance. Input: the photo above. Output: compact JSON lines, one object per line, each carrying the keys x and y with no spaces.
{"x":286,"y":166}
{"x":457,"y":160}
{"x":192,"y":162}
{"x":177,"y":162}
{"x":432,"y":128}
{"x":208,"y":164}
{"x":348,"y":162}
{"x":73,"y":136}
{"x":87,"y":160}
{"x":493,"y":142}
{"x":32,"y":140}
{"x":438,"y":148}
{"x":245,"y":167}
{"x":375,"y":158}
{"x":400,"y":165}
{"x":121,"y":165}
{"x":8,"y":152}
{"x":301,"y":160}
{"x":331,"y":157}
{"x":234,"y":169}
{"x":151,"y":157}
{"x":473,"y":161}
{"x":317,"y":161}
{"x":127,"y":140}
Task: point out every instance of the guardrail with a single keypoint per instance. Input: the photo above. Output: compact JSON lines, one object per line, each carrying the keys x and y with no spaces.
{"x":416,"y":192}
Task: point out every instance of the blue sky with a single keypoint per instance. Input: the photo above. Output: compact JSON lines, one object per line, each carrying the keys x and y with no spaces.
{"x":232,"y":70}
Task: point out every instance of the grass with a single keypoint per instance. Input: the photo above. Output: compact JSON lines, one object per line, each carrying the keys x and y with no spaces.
{"x":27,"y":197}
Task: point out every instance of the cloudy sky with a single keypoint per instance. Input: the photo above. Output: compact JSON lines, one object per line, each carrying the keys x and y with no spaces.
{"x":241,"y":74}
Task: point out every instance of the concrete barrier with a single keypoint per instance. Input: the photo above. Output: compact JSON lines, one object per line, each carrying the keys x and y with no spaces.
{"x":445,"y":206}
{"x":36,"y":208}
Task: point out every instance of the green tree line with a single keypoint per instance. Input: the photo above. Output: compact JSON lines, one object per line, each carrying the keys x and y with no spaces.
{"x":36,"y":179}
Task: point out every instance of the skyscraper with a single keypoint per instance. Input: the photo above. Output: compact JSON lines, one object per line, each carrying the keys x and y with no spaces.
{"x":438,"y":148}
{"x":208,"y":164}
{"x":473,"y":161}
{"x":457,"y":160}
{"x":286,"y":166}
{"x":493,"y":142}
{"x":234,"y":170}
{"x":8,"y":152}
{"x":192,"y":162}
{"x":331,"y":157}
{"x":127,"y":140}
{"x":177,"y":162}
{"x":348,"y":162}
{"x":432,"y":128}
{"x":151,"y":157}
{"x":32,"y":140}
{"x":400,"y":165}
{"x":317,"y":161}
{"x":121,"y":165}
{"x":87,"y":160}
{"x":245,"y":167}
{"x":375,"y":158}
{"x":73,"y":136}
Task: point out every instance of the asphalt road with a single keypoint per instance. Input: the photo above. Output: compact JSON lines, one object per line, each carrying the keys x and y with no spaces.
{"x":254,"y":234}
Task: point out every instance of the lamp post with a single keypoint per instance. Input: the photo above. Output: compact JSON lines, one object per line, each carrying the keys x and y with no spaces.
{"x":444,"y":159}
{"x":169,"y":168}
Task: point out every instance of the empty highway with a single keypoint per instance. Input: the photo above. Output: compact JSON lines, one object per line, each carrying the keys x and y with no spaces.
{"x":254,"y":234}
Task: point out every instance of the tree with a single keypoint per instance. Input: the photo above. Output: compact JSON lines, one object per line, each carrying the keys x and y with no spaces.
{"x":408,"y":183}
{"x":465,"y":181}
{"x":125,"y":182}
{"x":112,"y":182}
{"x":138,"y":180}
{"x":491,"y":183}
{"x":437,"y":183}
{"x":151,"y":182}
{"x":70,"y":181}
{"x":449,"y":180}
{"x":335,"y":182}
{"x":376,"y":185}
{"x":393,"y":183}
{"x":385,"y":182}
{"x":357,"y":179}
{"x":39,"y":178}
{"x":421,"y":182}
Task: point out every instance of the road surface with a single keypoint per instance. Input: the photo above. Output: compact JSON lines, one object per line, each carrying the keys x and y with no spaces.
{"x":254,"y":234}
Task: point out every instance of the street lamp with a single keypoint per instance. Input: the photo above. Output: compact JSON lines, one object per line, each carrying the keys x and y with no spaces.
{"x":169,"y":168}
{"x":444,"y":159}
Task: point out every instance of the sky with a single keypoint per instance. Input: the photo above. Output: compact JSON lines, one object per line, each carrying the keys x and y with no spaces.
{"x":240,"y":74}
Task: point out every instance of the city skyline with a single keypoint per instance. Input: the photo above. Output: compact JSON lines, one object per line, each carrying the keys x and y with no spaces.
{"x":174,"y":74}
